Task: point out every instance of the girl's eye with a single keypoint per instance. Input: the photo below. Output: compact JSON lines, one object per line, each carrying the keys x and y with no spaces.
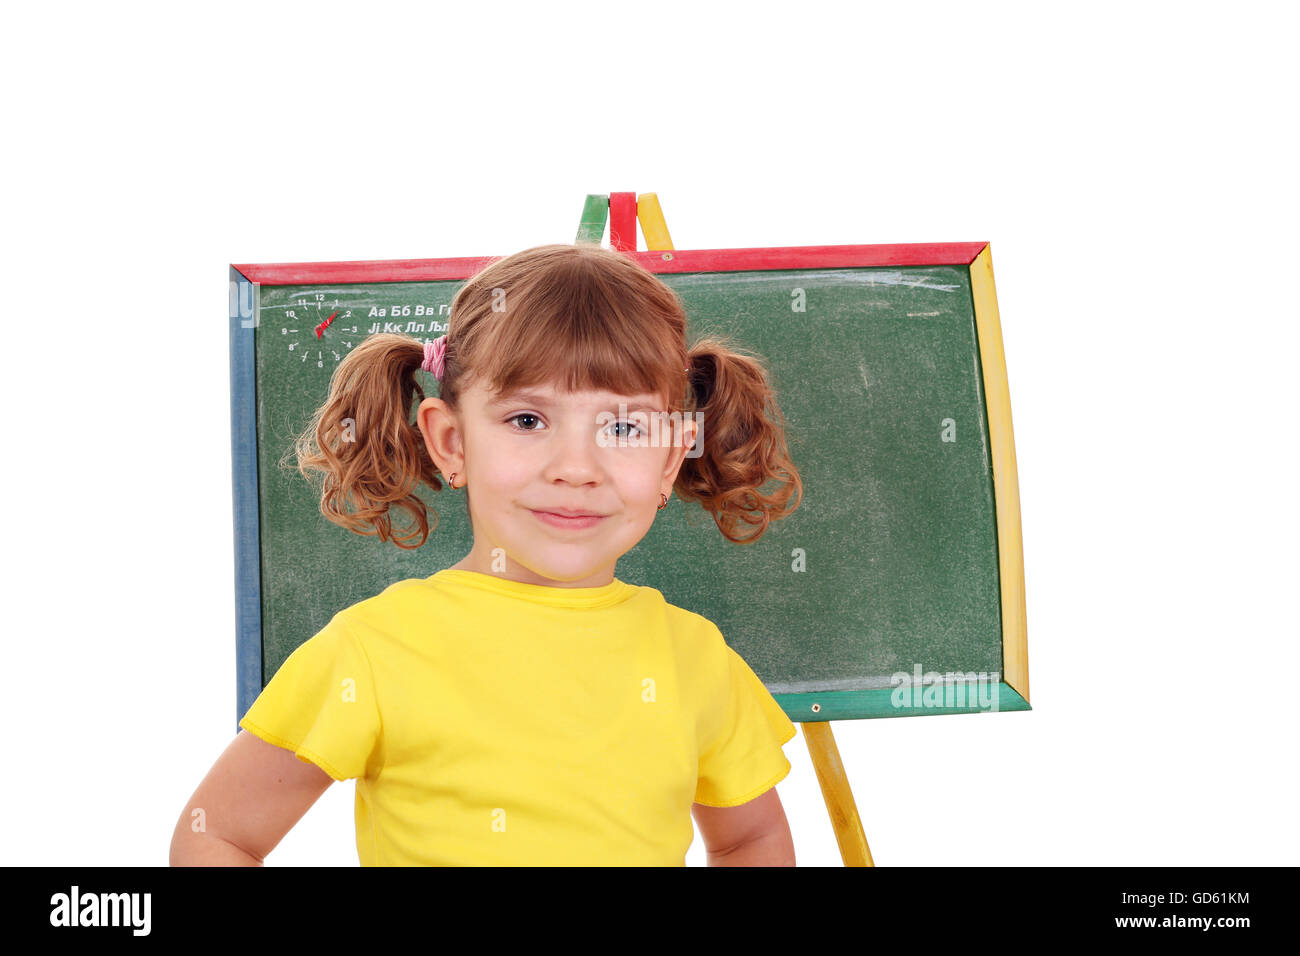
{"x":524,"y":415}
{"x":639,"y":431}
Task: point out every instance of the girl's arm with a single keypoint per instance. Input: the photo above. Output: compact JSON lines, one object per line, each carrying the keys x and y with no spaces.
{"x":753,"y":834}
{"x":250,"y":799}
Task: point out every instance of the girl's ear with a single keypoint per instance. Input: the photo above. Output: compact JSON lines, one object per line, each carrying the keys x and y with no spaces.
{"x":441,"y":429}
{"x":683,"y":438}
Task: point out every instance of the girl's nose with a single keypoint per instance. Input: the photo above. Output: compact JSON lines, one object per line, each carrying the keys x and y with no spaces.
{"x":573,"y":454}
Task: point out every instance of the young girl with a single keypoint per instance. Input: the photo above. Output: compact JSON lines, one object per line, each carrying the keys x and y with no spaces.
{"x":524,"y":706}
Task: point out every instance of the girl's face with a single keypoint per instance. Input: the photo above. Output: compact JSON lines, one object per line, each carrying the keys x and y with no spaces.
{"x":527,"y":455}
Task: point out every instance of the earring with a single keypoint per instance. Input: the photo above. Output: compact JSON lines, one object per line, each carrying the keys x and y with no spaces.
{"x":452,"y":480}
{"x":665,"y":502}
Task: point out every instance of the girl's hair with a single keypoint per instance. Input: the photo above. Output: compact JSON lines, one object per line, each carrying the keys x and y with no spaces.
{"x":577,"y":317}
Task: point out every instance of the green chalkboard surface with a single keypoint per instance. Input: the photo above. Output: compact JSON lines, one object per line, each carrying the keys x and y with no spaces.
{"x":890,"y":565}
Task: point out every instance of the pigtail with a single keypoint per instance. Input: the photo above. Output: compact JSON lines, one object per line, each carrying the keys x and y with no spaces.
{"x":743,"y":438}
{"x":363,"y":443}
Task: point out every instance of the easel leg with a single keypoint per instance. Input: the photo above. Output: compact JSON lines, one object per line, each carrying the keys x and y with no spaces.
{"x":835,"y":791}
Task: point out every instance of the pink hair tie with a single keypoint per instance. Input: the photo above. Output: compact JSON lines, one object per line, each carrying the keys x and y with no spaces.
{"x":435,"y":355}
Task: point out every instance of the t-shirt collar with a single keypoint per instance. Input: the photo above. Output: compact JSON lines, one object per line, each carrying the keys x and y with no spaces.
{"x":603,"y":596}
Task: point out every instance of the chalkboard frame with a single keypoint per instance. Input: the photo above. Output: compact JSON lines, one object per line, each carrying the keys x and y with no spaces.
{"x":246,"y":280}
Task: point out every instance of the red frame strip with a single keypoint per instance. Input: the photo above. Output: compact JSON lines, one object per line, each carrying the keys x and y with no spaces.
{"x":677,"y":260}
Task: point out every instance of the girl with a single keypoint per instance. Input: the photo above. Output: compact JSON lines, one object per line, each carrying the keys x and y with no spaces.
{"x":524,"y":706}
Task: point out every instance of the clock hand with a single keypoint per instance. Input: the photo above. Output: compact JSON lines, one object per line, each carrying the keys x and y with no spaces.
{"x":320,"y":329}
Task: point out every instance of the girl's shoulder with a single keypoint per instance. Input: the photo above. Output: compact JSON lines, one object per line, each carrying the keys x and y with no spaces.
{"x":695,"y":634}
{"x":392,"y":612}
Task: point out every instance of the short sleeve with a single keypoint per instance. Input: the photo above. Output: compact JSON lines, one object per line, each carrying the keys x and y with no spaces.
{"x":746,"y":759}
{"x":321,"y":704}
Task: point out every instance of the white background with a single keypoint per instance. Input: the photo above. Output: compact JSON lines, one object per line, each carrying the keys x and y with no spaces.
{"x":1133,"y":166}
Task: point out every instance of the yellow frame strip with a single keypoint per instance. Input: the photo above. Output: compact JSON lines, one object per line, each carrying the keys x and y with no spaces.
{"x":1006,"y":482}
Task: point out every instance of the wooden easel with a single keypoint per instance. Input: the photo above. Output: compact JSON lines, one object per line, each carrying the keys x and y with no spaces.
{"x":623,"y":210}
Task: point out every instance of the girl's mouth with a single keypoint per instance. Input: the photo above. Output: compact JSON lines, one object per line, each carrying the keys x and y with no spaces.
{"x":559,"y":521}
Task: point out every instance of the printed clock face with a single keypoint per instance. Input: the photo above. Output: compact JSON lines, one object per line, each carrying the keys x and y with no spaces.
{"x":318,"y":328}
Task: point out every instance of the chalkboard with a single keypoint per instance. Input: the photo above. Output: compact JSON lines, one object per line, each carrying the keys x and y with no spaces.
{"x":895,"y":589}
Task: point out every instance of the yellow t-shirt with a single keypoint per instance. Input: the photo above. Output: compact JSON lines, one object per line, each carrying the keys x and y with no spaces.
{"x":494,"y":723}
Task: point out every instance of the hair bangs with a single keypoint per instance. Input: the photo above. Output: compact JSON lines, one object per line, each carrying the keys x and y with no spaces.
{"x":579,"y":335}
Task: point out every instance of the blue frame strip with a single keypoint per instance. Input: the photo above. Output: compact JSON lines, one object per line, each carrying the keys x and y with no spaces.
{"x":243,"y":462}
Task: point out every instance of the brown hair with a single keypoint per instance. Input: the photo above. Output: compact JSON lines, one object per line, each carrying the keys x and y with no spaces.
{"x":579,"y":317}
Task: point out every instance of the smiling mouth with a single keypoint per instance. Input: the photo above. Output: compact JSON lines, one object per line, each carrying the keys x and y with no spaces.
{"x":556,"y":520}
